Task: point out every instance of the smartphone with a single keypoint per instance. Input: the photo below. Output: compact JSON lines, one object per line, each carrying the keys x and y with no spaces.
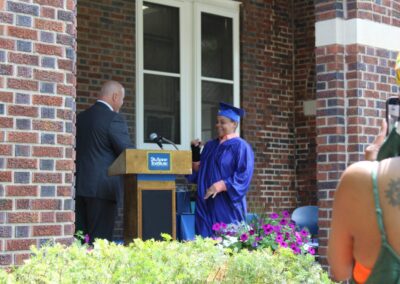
{"x":392,"y":112}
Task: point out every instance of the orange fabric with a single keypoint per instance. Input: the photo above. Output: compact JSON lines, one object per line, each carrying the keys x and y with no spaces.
{"x":360,"y":273}
{"x":227,"y":137}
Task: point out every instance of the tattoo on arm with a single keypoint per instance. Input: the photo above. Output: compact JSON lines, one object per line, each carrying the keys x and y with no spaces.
{"x":393,"y":193}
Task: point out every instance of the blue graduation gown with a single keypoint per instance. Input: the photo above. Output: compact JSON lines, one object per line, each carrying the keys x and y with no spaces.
{"x":233,"y":162}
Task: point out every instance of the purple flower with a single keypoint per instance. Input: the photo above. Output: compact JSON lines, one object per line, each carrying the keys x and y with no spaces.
{"x":285,"y":214}
{"x":304,"y":233}
{"x":86,"y":239}
{"x":223,"y":225}
{"x":311,"y":250}
{"x":244,"y":237}
{"x":259,"y":239}
{"x":254,"y":245}
{"x":279,"y":239}
{"x":268,"y":229}
{"x":216,"y":227}
{"x":287,"y":235}
{"x":292,"y":226}
{"x":251,"y":232}
{"x":283,"y":222}
{"x":283,"y":244}
{"x":277,"y":229}
{"x":273,"y":215}
{"x":295,"y":249}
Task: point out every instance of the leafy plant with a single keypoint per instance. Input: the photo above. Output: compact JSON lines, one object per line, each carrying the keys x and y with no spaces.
{"x":168,"y":261}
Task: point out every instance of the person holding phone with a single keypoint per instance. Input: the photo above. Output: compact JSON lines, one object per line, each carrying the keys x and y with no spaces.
{"x":223,"y":173}
{"x":364,"y":241}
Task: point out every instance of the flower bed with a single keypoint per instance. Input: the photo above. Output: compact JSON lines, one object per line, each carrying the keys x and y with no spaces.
{"x":277,"y":231}
{"x":199,"y":261}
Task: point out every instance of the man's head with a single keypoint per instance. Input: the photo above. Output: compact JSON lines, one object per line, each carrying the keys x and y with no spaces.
{"x":113,"y":93}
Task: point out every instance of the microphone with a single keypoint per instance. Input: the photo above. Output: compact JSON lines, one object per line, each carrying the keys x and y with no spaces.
{"x":156,"y":139}
{"x":159,"y":139}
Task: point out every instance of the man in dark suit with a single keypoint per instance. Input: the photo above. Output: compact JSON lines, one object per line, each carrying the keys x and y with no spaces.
{"x":102,"y":134}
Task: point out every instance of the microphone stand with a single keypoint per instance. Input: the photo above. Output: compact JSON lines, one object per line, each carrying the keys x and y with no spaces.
{"x":170,"y":142}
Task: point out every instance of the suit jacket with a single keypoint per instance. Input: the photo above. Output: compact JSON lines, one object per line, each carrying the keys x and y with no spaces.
{"x":101,"y":136}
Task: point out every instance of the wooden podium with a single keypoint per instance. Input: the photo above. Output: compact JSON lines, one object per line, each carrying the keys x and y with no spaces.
{"x":149,"y":190}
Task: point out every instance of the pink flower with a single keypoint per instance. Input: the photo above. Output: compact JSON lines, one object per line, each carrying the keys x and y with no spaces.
{"x":251,"y":232}
{"x":244,"y":237}
{"x":311,"y":250}
{"x":223,"y":225}
{"x":273,"y":215}
{"x":283,"y":244}
{"x":285,"y":214}
{"x":216,"y":227}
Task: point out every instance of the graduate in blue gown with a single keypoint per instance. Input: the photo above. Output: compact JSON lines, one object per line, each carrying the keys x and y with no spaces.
{"x":223,"y":173}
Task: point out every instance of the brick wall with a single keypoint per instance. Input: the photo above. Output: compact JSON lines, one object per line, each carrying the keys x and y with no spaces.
{"x":267,"y":95}
{"x":37,"y":112}
{"x":353,"y":82}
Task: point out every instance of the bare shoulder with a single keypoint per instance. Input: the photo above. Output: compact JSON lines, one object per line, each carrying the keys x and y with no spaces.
{"x":356,"y":178}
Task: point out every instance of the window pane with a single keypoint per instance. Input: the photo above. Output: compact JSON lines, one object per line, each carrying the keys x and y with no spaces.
{"x":162,"y":107}
{"x":216,"y":47}
{"x":212,"y":94}
{"x":161,"y":37}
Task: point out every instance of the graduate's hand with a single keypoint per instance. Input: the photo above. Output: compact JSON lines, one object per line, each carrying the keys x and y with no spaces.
{"x":371,"y":152}
{"x":211,"y":191}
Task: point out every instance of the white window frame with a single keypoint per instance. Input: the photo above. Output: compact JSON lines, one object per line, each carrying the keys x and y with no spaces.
{"x":190,"y":64}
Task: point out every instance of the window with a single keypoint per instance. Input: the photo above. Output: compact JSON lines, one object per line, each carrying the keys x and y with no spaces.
{"x":187,"y":61}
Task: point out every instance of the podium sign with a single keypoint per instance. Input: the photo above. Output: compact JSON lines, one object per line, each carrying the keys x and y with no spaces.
{"x":149,"y":190}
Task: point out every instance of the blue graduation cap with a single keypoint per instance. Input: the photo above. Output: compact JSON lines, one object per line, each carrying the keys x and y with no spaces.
{"x":230,"y":111}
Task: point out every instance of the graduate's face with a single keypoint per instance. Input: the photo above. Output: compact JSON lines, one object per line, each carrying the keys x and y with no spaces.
{"x":225,"y":126}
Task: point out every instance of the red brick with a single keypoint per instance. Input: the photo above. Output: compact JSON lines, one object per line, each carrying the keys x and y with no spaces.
{"x":22,"y":33}
{"x":47,"y":217}
{"x":45,"y":125}
{"x":49,"y":230}
{"x":69,"y":229}
{"x":23,"y":204}
{"x":22,"y":84}
{"x":71,"y":5}
{"x":48,"y":49}
{"x":5,"y":204}
{"x":49,"y":76}
{"x":6,"y":122}
{"x":20,"y":258}
{"x":63,"y":217}
{"x":16,"y":110}
{"x":46,"y":204}
{"x":65,"y":139}
{"x":47,"y":100}
{"x":64,"y":191}
{"x":23,"y":137}
{"x":65,"y":241}
{"x":13,"y":245}
{"x":22,"y":163}
{"x":21,"y":190}
{"x":22,"y":58}
{"x":22,"y":217}
{"x":55,"y":152}
{"x":66,"y":90}
{"x":64,"y":165}
{"x":5,"y":150}
{"x":42,"y":24}
{"x":65,"y":114}
{"x":47,"y":12}
{"x":53,"y":3}
{"x":47,"y":177}
{"x":5,"y":176}
{"x":65,"y":64}
{"x":7,"y":43}
{"x":6,"y":97}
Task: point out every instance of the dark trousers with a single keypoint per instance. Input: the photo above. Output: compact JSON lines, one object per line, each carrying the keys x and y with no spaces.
{"x":95,"y":217}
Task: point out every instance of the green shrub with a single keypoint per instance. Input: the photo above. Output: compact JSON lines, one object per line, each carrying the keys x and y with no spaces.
{"x":166,"y":261}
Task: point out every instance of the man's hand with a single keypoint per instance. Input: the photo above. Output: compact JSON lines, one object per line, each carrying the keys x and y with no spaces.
{"x":371,"y":152}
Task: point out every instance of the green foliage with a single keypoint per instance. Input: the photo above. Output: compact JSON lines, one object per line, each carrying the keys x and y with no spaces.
{"x":165,"y":261}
